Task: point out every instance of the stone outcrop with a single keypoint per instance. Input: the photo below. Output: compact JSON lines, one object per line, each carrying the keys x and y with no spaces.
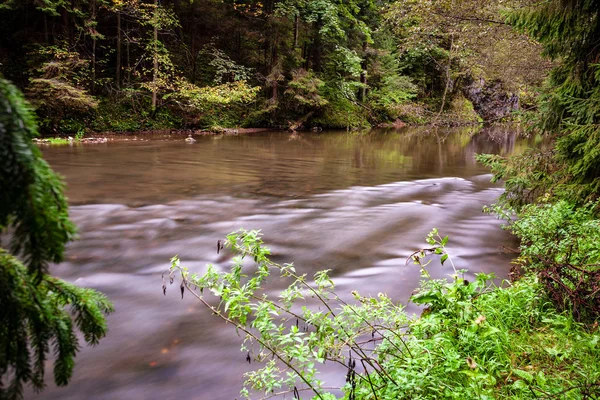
{"x":491,"y":101}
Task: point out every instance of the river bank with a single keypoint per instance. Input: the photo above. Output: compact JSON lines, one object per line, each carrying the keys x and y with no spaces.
{"x":496,"y":132}
{"x":153,"y":134}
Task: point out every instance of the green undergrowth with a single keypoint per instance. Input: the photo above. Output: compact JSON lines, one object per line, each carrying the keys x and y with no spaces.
{"x":505,"y":342}
{"x":342,"y":114}
{"x":118,"y":115}
{"x":472,"y":339}
{"x":124,"y":115}
{"x":57,"y":141}
{"x":559,"y":231}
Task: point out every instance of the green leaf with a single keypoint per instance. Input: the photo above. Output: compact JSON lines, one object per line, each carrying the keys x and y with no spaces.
{"x":424,"y":299}
{"x":445,"y":241}
{"x":444,"y":258}
{"x":523,"y":375}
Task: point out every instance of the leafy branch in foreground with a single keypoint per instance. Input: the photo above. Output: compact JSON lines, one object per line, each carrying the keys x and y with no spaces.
{"x":36,"y":319}
{"x":295,"y":337}
{"x":38,"y":312}
{"x":473,"y":339}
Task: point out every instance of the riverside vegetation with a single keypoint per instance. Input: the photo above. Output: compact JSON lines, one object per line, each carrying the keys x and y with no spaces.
{"x":537,"y":337}
{"x":130,"y":65}
{"x":473,"y":340}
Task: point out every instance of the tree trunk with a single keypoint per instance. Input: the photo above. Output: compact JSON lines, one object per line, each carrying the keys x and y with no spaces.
{"x":93,"y":34}
{"x":239,"y":46}
{"x":296,"y":30}
{"x":193,"y":41}
{"x":46,"y":34}
{"x":362,"y":92}
{"x":316,"y":53}
{"x":119,"y":40}
{"x":128,"y":55}
{"x":447,"y":75}
{"x":305,"y":55}
{"x":66,"y":24}
{"x":275,"y":70}
{"x":155,"y":67}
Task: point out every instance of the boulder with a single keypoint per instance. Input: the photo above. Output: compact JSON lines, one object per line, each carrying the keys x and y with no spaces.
{"x":491,"y":101}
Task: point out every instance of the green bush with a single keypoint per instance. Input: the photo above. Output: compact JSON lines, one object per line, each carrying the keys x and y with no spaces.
{"x":341,"y":114}
{"x":118,"y":115}
{"x":472,"y":340}
{"x":559,"y":243}
{"x":386,"y":101}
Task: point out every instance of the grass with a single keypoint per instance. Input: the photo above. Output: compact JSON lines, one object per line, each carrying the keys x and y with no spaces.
{"x":58,"y":141}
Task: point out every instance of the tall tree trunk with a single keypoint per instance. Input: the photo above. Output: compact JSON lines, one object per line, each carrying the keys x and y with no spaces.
{"x":193,"y":41}
{"x":275,"y":72}
{"x":155,"y":67}
{"x":316,"y":53}
{"x":305,"y":55}
{"x":93,"y":65}
{"x":266,"y":48}
{"x":239,"y":46}
{"x":296,"y":30}
{"x":46,"y":34}
{"x":179,"y":28}
{"x":128,"y":58}
{"x":66,"y":24}
{"x":447,"y":75}
{"x":119,"y":41}
{"x":94,"y":40}
{"x":362,"y":92}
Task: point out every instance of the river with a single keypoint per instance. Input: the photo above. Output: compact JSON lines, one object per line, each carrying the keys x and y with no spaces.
{"x":356,"y":203}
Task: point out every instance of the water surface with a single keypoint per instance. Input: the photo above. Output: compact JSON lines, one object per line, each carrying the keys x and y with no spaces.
{"x":356,"y":203}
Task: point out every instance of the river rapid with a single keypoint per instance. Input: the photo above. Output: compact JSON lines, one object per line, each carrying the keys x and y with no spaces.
{"x":356,"y":203}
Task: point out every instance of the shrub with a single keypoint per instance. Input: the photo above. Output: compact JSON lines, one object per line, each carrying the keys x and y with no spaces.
{"x":559,"y":242}
{"x":473,"y":339}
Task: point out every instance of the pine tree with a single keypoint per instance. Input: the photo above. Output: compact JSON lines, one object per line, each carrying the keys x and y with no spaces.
{"x":38,"y":312}
{"x":569,"y":31}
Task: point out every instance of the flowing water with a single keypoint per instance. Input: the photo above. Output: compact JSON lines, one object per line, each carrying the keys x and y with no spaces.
{"x":356,"y":203}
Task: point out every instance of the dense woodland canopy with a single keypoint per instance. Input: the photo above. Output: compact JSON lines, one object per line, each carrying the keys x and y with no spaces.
{"x":138,"y":64}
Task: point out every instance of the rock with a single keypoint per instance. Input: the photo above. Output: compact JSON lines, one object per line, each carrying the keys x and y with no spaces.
{"x":397,"y":124}
{"x":491,"y":101}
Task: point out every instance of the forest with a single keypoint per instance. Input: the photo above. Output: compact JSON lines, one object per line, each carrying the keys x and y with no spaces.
{"x":472,"y":323}
{"x":134,"y":65}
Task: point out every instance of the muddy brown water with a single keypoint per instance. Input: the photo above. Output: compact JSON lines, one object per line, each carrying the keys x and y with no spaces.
{"x":356,"y":203}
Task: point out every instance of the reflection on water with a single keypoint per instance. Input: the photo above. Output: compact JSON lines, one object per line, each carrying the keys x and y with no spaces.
{"x":358,"y":204}
{"x":274,"y":164}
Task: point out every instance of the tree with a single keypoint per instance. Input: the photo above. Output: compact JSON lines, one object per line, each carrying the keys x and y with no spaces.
{"x":446,"y":44}
{"x":569,"y":108}
{"x":39,"y":312}
{"x":569,"y":32}
{"x":554,"y":192}
{"x":58,"y":86}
